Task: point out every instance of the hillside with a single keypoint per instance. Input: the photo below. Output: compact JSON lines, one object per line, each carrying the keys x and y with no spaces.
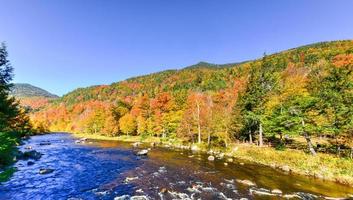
{"x":25,"y":90}
{"x":214,"y":103}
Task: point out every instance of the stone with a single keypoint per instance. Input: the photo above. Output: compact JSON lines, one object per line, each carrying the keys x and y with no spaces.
{"x":136,"y":144}
{"x":230,"y":159}
{"x":30,"y":163}
{"x":225,"y":164}
{"x":194,"y":148}
{"x":143,"y":152}
{"x":241,"y":163}
{"x":45,"y":143}
{"x":46,"y":171}
{"x":276,"y":191}
{"x":35,"y":155}
{"x":246,"y":182}
{"x":164,"y":190}
{"x":153,"y":144}
{"x":285,"y":168}
{"x":211,"y":158}
{"x":28,"y":147}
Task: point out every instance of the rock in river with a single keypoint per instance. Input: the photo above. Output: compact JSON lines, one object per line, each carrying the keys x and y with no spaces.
{"x":210,"y":158}
{"x":46,"y":171}
{"x":143,"y":152}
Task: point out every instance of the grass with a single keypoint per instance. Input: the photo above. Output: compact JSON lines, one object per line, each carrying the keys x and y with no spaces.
{"x":5,"y":175}
{"x":323,"y":166}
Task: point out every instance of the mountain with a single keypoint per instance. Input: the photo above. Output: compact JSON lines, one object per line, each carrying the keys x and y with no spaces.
{"x":25,"y":90}
{"x":164,"y":103}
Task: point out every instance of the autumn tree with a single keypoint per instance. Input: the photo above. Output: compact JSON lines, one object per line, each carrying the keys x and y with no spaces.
{"x":127,"y":124}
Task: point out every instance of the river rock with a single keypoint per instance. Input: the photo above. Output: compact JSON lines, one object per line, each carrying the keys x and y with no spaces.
{"x":45,"y":143}
{"x":136,"y":144}
{"x":28,"y":147}
{"x":35,"y":155}
{"x":153,"y":144}
{"x":211,"y":158}
{"x":225,"y":164}
{"x":143,"y":152}
{"x":230,"y":159}
{"x":30,"y":163}
{"x":128,"y":179}
{"x":246,"y":182}
{"x":46,"y":171}
{"x":261,"y":192}
{"x":285,"y":168}
{"x":276,"y":191}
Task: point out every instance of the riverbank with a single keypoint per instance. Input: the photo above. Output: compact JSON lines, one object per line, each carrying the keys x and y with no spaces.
{"x":322,"y":166}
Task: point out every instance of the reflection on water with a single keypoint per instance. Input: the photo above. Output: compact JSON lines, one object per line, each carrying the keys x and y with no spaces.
{"x":109,"y":169}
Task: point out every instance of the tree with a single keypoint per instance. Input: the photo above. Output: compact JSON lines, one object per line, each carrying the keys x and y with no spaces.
{"x":261,"y":81}
{"x":127,"y":124}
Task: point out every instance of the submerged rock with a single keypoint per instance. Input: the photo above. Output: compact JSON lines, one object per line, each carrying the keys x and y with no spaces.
{"x":46,"y":171}
{"x":211,"y":158}
{"x":45,"y":143}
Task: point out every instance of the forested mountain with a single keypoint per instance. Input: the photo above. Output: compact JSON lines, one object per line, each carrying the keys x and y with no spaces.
{"x":303,"y":91}
{"x":25,"y":90}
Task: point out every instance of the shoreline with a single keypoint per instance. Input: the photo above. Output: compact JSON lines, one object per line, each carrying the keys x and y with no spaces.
{"x":323,"y":166}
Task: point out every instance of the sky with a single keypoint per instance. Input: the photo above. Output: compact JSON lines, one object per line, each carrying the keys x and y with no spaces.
{"x":60,"y":45}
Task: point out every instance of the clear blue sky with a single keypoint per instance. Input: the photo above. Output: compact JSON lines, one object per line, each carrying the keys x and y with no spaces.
{"x":60,"y":45}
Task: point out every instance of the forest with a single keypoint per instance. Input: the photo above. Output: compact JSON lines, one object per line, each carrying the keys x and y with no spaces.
{"x":282,"y":100}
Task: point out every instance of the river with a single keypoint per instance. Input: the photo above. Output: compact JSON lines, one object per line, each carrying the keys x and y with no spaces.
{"x":111,"y":170}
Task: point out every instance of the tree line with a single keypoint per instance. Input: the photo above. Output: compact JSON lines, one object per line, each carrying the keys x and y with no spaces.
{"x":302,"y":92}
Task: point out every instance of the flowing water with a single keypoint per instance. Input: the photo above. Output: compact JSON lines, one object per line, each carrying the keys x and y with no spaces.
{"x":111,"y":170}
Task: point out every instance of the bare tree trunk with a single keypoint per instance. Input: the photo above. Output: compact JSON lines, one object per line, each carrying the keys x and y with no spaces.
{"x":250,"y":137}
{"x":198,"y":122}
{"x":351,"y":155}
{"x":209,"y":138}
{"x":308,"y":140}
{"x":260,"y":136}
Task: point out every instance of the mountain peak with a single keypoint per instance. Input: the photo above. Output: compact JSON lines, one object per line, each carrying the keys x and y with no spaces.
{"x":24,"y":90}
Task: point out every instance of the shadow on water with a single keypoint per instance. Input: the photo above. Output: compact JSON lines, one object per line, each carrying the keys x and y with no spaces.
{"x":109,"y":169}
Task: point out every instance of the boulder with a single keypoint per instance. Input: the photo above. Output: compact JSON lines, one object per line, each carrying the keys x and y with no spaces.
{"x":28,"y":147}
{"x":194,"y":148}
{"x":46,"y":171}
{"x":246,"y":182}
{"x":136,"y":144}
{"x":276,"y":191}
{"x":230,"y":159}
{"x":35,"y":155}
{"x":30,"y":163}
{"x":211,"y":158}
{"x":143,"y":152}
{"x":285,"y":168}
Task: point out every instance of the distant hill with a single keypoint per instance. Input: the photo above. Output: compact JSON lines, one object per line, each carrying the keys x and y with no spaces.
{"x":25,"y":90}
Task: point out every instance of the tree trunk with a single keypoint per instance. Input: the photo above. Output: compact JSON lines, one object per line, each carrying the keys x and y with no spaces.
{"x":250,"y":137}
{"x":198,"y":122}
{"x":260,"y":136}
{"x":308,"y":140}
{"x":351,"y":155}
{"x":208,"y":139}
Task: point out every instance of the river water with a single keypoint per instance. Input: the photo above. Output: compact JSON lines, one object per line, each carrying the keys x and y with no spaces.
{"x":111,"y":170}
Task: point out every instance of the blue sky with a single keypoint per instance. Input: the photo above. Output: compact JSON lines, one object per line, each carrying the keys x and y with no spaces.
{"x":60,"y":45}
